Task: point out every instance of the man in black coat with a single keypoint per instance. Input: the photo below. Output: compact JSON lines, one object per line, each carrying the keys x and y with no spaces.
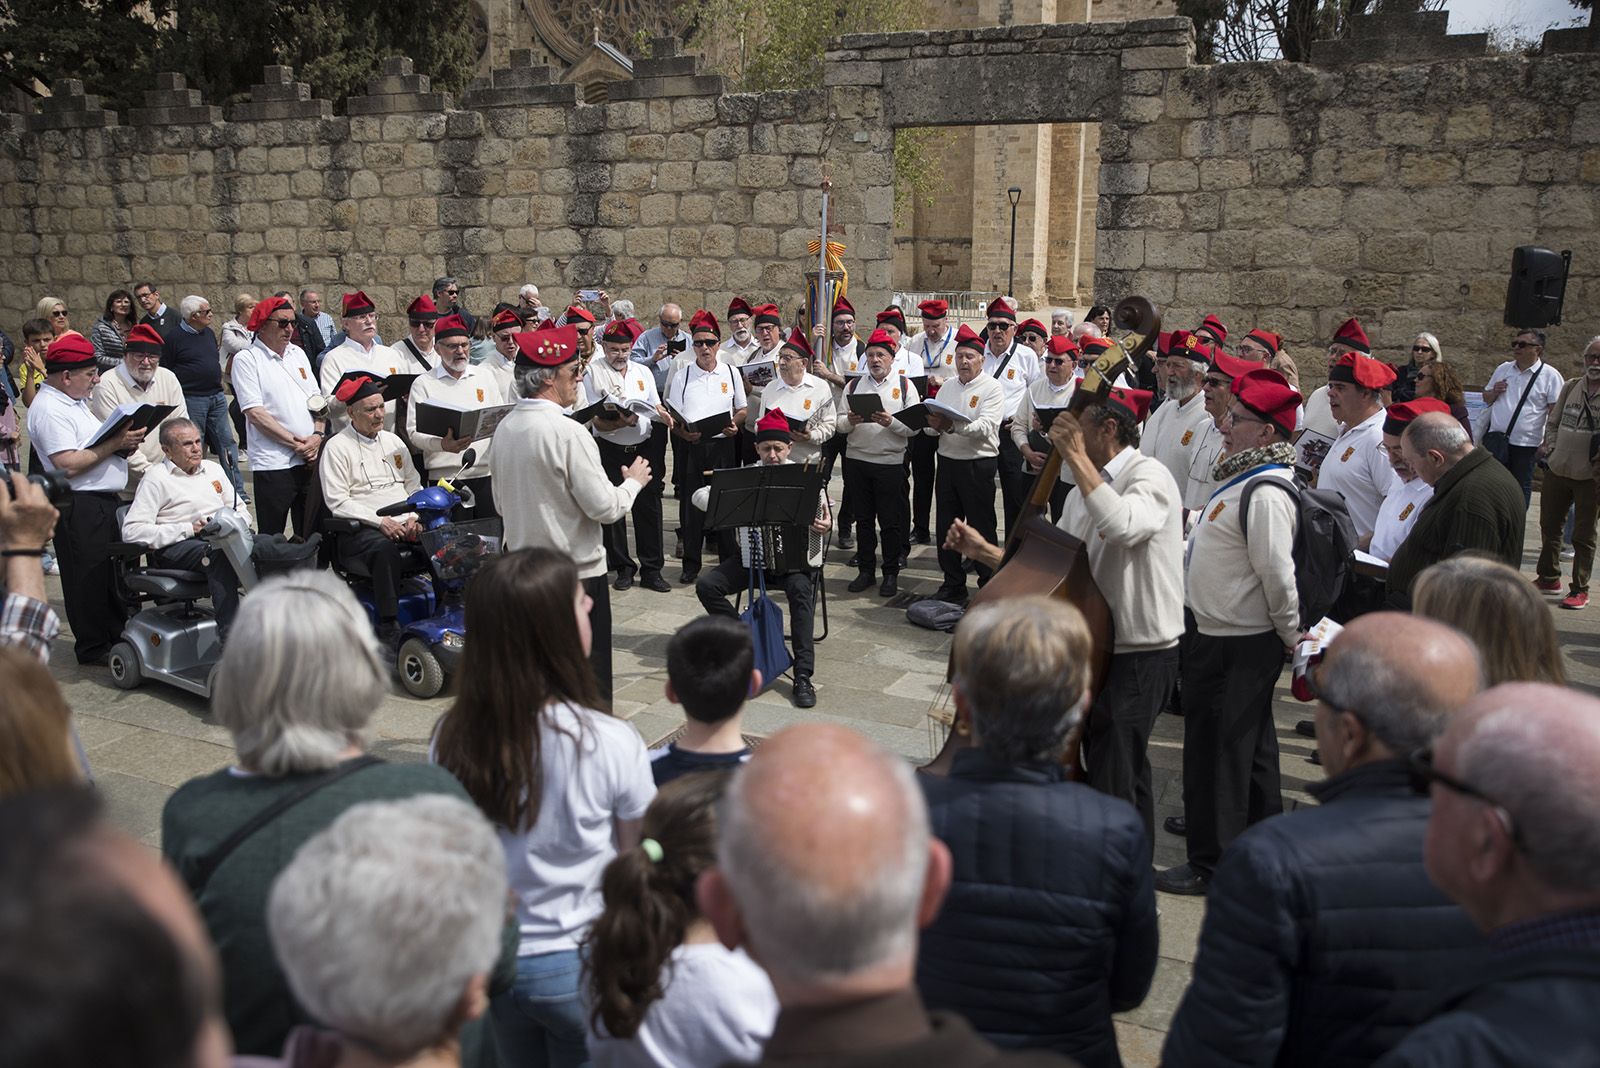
{"x":1324,"y":941}
{"x":1514,"y":837}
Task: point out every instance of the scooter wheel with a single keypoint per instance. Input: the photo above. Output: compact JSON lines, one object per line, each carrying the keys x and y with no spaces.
{"x":124,"y":664}
{"x":420,"y":671}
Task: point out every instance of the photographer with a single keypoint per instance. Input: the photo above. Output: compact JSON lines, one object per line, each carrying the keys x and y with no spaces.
{"x":26,"y":520}
{"x":62,"y":428}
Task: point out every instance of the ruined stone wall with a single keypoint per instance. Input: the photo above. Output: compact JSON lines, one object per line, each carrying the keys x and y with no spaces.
{"x":1289,"y":197}
{"x":673,"y":189}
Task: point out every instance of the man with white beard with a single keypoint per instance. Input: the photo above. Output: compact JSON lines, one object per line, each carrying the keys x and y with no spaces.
{"x":456,"y":382}
{"x":360,"y":351}
{"x":140,"y":379}
{"x":741,"y":342}
{"x":1174,"y":431}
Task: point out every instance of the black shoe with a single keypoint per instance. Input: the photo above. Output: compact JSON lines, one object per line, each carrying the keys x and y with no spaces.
{"x":1182,"y":880}
{"x":805,"y":694}
{"x":854,"y":561}
{"x":969,"y":566}
{"x":951,"y":594}
{"x":389,"y":635}
{"x":921,"y":537}
{"x":1315,"y":758}
{"x":624,"y":579}
{"x":1176,"y":825}
{"x":1306,"y":728}
{"x":688,"y":576}
{"x":890,"y":585}
{"x":862,"y":581}
{"x":846,"y":540}
{"x":903,"y":557}
{"x":652,"y":580}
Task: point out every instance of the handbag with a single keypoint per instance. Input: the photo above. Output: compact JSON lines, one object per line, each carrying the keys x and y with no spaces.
{"x":1497,"y":443}
{"x":765,"y":620}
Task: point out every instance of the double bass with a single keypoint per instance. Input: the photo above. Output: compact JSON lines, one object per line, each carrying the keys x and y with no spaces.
{"x":1039,"y":557}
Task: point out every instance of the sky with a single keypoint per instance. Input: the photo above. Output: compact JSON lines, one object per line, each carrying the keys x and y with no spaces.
{"x":1532,"y":17}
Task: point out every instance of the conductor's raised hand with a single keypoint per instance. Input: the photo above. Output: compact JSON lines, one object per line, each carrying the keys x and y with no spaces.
{"x":638,"y":471}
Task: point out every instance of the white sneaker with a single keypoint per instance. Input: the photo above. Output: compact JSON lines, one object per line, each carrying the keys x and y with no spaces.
{"x":49,"y":564}
{"x":1568,"y":553}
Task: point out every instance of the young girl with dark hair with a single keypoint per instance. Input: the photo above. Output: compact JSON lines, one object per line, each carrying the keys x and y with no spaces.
{"x":565,"y":784}
{"x":662,"y":990}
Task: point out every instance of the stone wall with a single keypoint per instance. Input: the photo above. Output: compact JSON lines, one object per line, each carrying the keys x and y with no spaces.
{"x":1278,"y":195}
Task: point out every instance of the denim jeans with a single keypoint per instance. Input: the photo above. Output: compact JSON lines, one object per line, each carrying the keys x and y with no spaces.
{"x":210,"y":414}
{"x":539,"y":1023}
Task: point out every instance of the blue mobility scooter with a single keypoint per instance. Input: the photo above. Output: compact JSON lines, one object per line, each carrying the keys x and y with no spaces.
{"x":432,"y":624}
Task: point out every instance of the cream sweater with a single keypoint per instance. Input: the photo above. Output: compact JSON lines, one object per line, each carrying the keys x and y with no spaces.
{"x":985,"y":402}
{"x":869,"y":442}
{"x":116,"y":387}
{"x":550,"y":487}
{"x":361,"y":474}
{"x":1133,"y":526}
{"x":1236,"y":589}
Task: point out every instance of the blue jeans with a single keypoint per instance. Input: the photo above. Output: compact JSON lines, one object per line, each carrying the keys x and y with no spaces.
{"x":539,"y":1023}
{"x":210,"y":414}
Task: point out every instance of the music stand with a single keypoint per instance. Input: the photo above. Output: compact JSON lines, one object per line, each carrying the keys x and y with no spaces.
{"x":762,"y":496}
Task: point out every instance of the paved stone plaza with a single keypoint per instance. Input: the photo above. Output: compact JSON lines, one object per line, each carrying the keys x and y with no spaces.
{"x":875,"y":672}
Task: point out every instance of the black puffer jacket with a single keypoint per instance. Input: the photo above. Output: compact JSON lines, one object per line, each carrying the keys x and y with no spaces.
{"x":1050,"y":925}
{"x":1537,"y":1008}
{"x":1324,"y":941}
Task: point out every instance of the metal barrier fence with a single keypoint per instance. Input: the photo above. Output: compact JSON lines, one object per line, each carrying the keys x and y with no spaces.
{"x":965,"y":306}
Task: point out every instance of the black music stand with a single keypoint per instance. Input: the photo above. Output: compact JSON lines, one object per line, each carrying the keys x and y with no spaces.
{"x":762,"y":496}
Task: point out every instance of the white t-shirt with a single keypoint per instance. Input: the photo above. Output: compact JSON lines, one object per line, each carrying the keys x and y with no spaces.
{"x":718,"y":1008}
{"x":596,"y":772}
{"x":56,"y":424}
{"x":281,"y":385}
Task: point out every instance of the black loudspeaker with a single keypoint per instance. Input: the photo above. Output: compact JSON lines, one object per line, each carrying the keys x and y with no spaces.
{"x":1537,"y":286}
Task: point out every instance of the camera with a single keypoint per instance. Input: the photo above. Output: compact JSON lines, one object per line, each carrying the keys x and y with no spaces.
{"x":54,"y":483}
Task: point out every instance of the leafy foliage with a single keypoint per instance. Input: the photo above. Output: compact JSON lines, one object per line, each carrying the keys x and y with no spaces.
{"x":115,"y":45}
{"x":1245,"y":31}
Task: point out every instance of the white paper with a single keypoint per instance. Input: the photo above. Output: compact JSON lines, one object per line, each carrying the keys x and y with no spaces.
{"x":955,"y":415}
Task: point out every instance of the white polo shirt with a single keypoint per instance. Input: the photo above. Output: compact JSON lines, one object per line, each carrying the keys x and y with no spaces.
{"x":476,"y":388}
{"x":1357,"y":468}
{"x":1397,"y":515}
{"x":699,"y":394}
{"x":935,"y":357}
{"x":633,"y":382}
{"x":1530,"y":421}
{"x":1020,"y":369}
{"x":281,"y":385}
{"x":812,"y":400}
{"x":57,"y":423}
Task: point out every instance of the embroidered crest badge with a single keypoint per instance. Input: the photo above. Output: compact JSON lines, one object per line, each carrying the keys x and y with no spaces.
{"x":1212,"y":518}
{"x":806,"y":407}
{"x":303,"y":373}
{"x":894,"y":394}
{"x":1188,"y":436}
{"x":724,"y":387}
{"x":399,"y":461}
{"x":1011,"y":372}
{"x":480,"y":396}
{"x":218,"y":486}
{"x":1351,"y":451}
{"x":1406,"y":511}
{"x":972,"y":402}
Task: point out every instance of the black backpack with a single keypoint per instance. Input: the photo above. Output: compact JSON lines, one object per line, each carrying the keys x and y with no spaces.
{"x":1324,"y":545}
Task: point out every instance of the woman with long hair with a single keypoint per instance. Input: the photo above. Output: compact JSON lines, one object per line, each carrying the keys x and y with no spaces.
{"x":109,"y":334}
{"x":1498,"y":608}
{"x":564,"y":783}
{"x":1440,"y":381}
{"x":662,"y":990}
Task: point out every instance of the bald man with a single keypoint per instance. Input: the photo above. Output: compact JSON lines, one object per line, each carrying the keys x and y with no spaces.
{"x":1325,"y":941}
{"x":88,"y":908}
{"x":1515,"y":839}
{"x":826,"y":872}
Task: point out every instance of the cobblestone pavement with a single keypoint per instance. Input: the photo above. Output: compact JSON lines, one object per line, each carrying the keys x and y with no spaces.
{"x":875,"y":673}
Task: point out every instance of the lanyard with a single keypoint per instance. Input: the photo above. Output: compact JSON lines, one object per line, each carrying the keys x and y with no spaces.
{"x":932,"y":361}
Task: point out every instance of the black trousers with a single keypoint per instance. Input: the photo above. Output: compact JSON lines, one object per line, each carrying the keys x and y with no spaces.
{"x":483,"y":506}
{"x":1117,"y":738}
{"x":646,"y":509}
{"x":1230,"y":746}
{"x":1520,"y":461}
{"x":599,"y":592}
{"x":964,"y":489}
{"x":369,"y":552}
{"x":192,"y":554}
{"x":280,"y":494}
{"x":880,"y":499}
{"x":700,"y":458}
{"x":727,"y":578}
{"x":1014,"y":481}
{"x":832,"y":451}
{"x":921,"y":453}
{"x":84,"y":535}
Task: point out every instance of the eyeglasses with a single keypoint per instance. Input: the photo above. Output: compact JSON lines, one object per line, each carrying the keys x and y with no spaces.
{"x":145,"y":357}
{"x":1216,"y":383}
{"x":582,"y":332}
{"x":998,"y":327}
{"x":1424,"y":774}
{"x":451,"y":292}
{"x":1524,"y":344}
{"x":1234,"y":416}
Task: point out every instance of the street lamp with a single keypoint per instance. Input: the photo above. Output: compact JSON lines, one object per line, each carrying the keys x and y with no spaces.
{"x":1014,"y":194}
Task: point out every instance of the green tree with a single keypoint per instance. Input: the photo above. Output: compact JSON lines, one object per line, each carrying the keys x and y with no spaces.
{"x":108,"y":44}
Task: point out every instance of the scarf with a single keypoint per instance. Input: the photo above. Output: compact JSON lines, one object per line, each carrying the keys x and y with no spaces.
{"x":1279,"y":452}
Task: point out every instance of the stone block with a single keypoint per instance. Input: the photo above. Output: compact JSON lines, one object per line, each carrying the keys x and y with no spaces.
{"x":659,"y":88}
{"x":1282,"y":248}
{"x":1120,"y":249}
{"x":774,"y":208}
{"x":1126,"y":178}
{"x":1317,"y":208}
{"x":1201,"y":211}
{"x":696,"y":208}
{"x":1172,"y":176}
{"x":1178,"y":251}
{"x":1405,"y":127}
{"x":1255,"y":208}
{"x":1223,"y":173}
{"x":684,"y":241}
{"x":646,"y":241}
{"x":519,"y":96}
{"x":1429,"y":168}
{"x":1153,"y":212}
{"x":712,"y":175}
{"x":725,"y":142}
{"x":658,"y":209}
{"x":1166,"y":57}
{"x":675,"y":177}
{"x":855,"y":72}
{"x":646,"y":146}
{"x":762,"y":172}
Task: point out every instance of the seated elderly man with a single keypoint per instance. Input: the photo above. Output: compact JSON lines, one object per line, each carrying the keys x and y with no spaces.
{"x":364,"y":468}
{"x":174,"y":501}
{"x":1324,"y":942}
{"x":387,"y":925}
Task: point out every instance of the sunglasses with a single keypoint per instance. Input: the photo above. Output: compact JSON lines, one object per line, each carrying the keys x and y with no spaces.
{"x":1524,"y":344}
{"x":1055,"y":361}
{"x":1216,"y":383}
{"x":1424,"y":774}
{"x":421,"y":322}
{"x":668,"y":326}
{"x":62,"y":312}
{"x":1420,"y":348}
{"x":285,"y":323}
{"x":707,"y":343}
